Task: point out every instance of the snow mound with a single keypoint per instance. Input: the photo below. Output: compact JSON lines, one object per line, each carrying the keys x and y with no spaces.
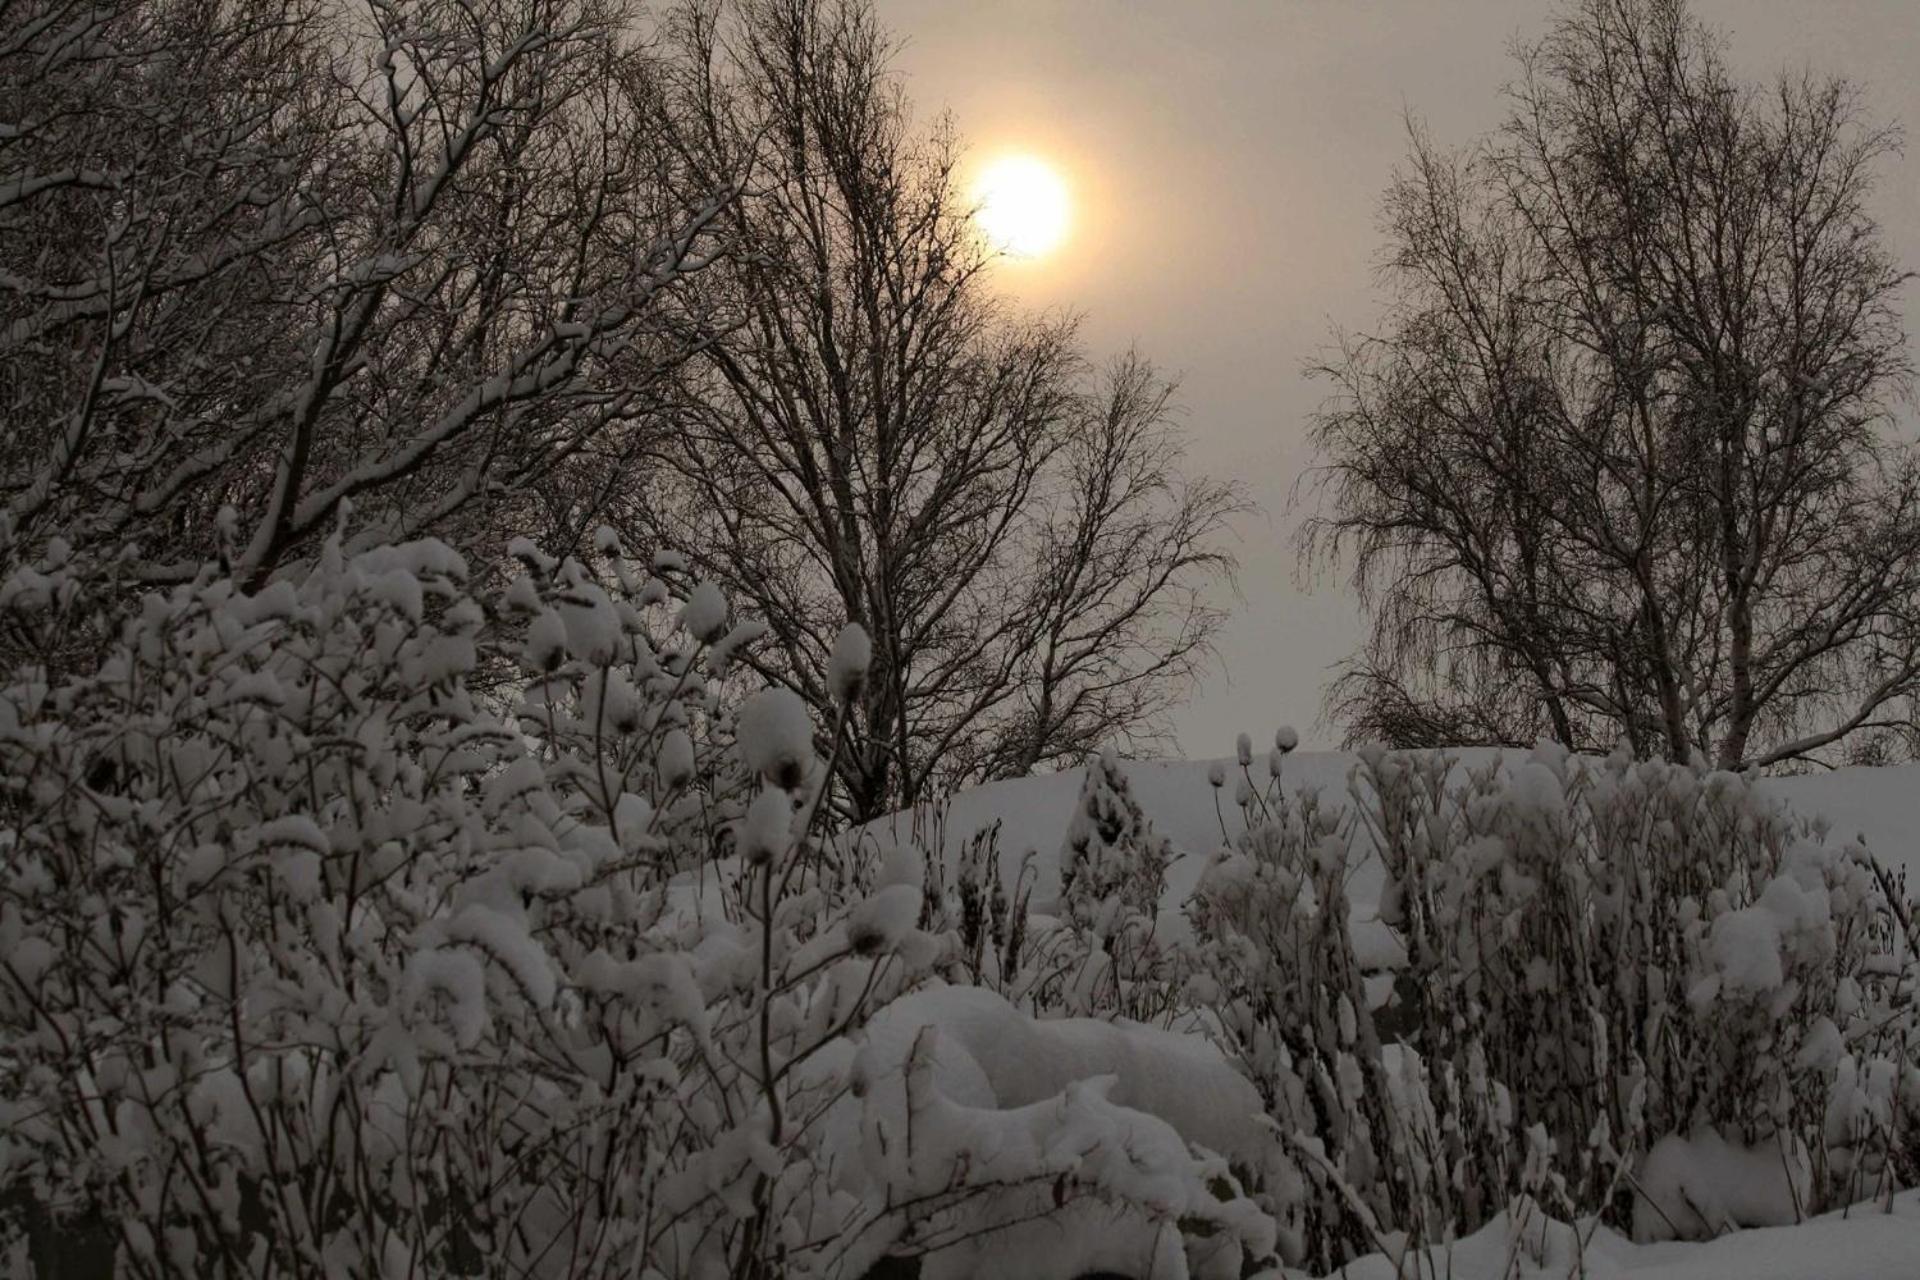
{"x":992,"y":1054}
{"x":1696,"y":1188}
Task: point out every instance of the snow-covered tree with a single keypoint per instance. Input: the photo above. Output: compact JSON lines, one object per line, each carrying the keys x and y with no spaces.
{"x":264,"y":259}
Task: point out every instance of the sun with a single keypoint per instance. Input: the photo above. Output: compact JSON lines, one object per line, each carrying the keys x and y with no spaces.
{"x":1022,"y":206}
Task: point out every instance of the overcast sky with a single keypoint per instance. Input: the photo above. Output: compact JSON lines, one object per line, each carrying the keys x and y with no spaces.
{"x":1226,"y":159}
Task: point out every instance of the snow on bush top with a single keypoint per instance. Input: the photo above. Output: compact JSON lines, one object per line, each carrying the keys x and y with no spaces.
{"x":847,"y":664}
{"x":775,"y":733}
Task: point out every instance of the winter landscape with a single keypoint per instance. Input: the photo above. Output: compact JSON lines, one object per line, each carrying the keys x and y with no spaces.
{"x":617,"y":661}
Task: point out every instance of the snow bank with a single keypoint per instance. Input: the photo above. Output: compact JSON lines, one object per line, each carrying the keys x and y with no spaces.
{"x":1864,"y":1243}
{"x":1878,"y":806}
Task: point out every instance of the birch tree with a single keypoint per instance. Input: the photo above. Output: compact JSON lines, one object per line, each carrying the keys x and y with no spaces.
{"x":1622,"y":461}
{"x":872,"y":433}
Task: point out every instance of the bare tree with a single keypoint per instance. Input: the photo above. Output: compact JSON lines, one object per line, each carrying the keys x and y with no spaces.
{"x":261,"y":261}
{"x":1620,"y":462}
{"x":872,"y":434}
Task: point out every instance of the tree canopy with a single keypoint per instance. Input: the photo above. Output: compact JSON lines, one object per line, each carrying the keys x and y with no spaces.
{"x":1619,"y":463}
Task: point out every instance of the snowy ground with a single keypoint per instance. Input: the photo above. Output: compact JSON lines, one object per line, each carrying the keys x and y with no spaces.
{"x":1865,"y":1243}
{"x":1879,"y":805}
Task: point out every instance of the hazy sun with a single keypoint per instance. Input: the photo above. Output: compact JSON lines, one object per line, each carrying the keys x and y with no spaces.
{"x":1023,"y":206}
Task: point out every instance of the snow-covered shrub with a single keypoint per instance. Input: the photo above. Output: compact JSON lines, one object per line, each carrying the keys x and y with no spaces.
{"x":366,"y":925}
{"x":1620,"y":951}
{"x":1094,"y":952}
{"x":1275,"y":965}
{"x":1601,"y":960}
{"x":318,"y":961}
{"x":1112,"y":876}
{"x":988,"y":916}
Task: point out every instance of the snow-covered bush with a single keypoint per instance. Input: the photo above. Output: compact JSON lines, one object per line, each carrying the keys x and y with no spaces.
{"x":362,"y":925}
{"x":1275,"y":965}
{"x":1602,"y":962}
{"x":1094,"y":951}
{"x":1633,"y":950}
{"x":987,"y":914}
{"x":320,"y":961}
{"x":1113,"y":866}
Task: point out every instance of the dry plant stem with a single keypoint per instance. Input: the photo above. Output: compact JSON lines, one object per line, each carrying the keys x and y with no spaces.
{"x":1897,"y":904}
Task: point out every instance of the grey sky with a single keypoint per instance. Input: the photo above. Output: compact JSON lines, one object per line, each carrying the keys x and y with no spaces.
{"x":1226,"y":158}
